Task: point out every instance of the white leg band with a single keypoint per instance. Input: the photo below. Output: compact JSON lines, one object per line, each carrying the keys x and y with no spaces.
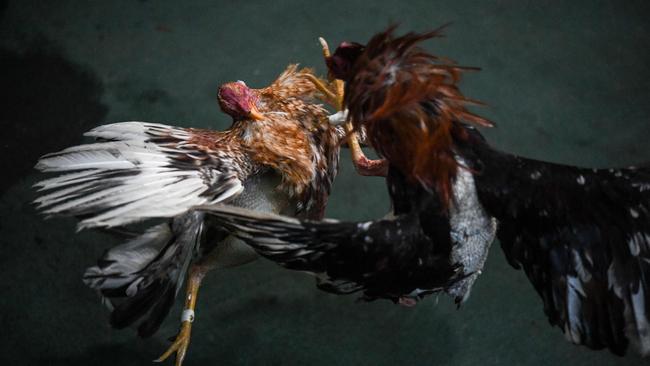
{"x":339,"y":117}
{"x":187,"y":316}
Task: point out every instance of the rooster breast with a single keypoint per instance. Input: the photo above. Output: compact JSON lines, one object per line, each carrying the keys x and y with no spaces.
{"x":260,"y":194}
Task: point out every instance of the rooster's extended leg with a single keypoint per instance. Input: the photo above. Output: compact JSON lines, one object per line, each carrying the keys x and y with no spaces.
{"x":182,"y":340}
{"x":369,"y":167}
{"x":330,"y":96}
{"x":363,"y":165}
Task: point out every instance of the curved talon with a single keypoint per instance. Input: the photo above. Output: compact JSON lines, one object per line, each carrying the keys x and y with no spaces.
{"x":331,"y":97}
{"x":180,"y":345}
{"x":371,"y":168}
{"x":363,"y":165}
{"x":326,"y":48}
{"x":182,"y":341}
{"x":337,"y":84}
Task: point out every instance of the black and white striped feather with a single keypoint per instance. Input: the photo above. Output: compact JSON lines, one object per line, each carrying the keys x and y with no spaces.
{"x":389,"y":258}
{"x":140,"y":279}
{"x":135,"y":171}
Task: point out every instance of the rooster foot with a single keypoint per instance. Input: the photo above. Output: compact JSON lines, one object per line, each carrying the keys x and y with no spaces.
{"x":180,"y":344}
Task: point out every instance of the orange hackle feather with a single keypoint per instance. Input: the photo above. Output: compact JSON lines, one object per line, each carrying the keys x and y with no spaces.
{"x":409,"y":102}
{"x":292,"y":137}
{"x":284,"y":141}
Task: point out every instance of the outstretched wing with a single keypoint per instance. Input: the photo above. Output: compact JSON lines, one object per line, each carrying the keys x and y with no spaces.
{"x":139,"y":170}
{"x":583,"y":238}
{"x":384,"y":258}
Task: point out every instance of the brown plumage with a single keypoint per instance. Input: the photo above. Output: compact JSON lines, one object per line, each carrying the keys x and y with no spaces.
{"x":280,"y":155}
{"x":289,"y":134}
{"x":392,"y":88}
{"x":581,"y":235}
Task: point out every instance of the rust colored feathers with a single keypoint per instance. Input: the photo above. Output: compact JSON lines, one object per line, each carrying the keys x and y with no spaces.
{"x":279,"y":155}
{"x":293,"y":137}
{"x":288,"y":133}
{"x":409,"y":102}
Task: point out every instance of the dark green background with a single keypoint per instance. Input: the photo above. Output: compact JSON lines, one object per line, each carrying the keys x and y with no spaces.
{"x":565,"y":82}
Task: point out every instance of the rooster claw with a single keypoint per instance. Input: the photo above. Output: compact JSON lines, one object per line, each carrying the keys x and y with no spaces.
{"x":371,"y":168}
{"x":180,"y":345}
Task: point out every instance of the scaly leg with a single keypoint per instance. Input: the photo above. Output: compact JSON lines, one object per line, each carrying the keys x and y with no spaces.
{"x":182,"y":340}
{"x":330,"y":97}
{"x":363,"y":165}
{"x":337,"y":95}
{"x":371,"y":168}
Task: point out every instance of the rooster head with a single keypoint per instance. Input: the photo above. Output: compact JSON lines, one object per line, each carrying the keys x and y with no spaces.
{"x":340,"y":64}
{"x":409,"y":102}
{"x":239,"y":101}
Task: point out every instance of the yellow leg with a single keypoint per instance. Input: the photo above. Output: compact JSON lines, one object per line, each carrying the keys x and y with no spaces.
{"x":363,"y":165}
{"x":329,"y":95}
{"x":182,"y":341}
{"x":338,"y":84}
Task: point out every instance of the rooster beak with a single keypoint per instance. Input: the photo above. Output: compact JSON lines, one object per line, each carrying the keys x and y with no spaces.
{"x":255,"y":114}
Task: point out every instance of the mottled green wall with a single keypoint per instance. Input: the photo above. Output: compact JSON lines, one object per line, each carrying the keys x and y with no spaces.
{"x":565,"y":81}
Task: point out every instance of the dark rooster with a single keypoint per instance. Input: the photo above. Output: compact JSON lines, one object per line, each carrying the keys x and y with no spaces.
{"x":280,"y":155}
{"x":582,"y":236}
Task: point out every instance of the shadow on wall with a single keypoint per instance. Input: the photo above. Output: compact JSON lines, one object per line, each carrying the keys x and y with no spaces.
{"x":48,"y":102}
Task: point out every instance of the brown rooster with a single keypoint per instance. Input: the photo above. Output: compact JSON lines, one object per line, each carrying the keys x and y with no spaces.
{"x":280,"y":155}
{"x":581,"y":235}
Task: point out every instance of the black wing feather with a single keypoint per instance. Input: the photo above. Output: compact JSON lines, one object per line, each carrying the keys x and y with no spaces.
{"x":581,"y":235}
{"x":384,"y":258}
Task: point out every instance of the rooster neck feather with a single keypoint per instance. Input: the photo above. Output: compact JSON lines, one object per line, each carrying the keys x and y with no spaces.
{"x":282,"y":146}
{"x":409,"y":102}
{"x":293,"y":133}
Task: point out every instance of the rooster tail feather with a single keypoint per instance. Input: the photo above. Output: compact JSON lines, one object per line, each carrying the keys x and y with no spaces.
{"x":140,"y":279}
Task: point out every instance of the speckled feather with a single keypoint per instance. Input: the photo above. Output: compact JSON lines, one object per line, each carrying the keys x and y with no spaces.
{"x":408,"y":100}
{"x":581,"y":235}
{"x":284,"y":162}
{"x":375,"y":257}
{"x":297,"y":139}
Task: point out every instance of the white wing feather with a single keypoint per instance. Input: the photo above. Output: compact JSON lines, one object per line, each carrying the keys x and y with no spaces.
{"x":127,"y":177}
